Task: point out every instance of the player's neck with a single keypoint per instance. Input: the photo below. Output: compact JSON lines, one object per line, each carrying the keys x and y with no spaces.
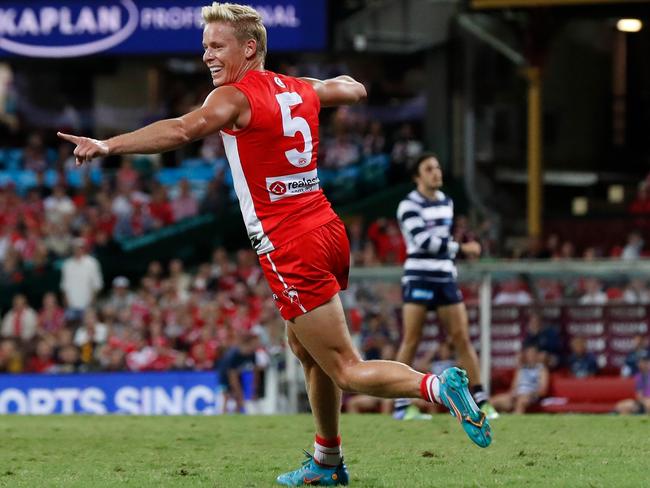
{"x":428,"y":192}
{"x":254,"y":65}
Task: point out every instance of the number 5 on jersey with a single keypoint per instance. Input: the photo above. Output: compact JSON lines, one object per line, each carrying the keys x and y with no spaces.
{"x":292,"y":125}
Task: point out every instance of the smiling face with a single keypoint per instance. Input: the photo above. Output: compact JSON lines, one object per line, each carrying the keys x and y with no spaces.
{"x":226,"y":57}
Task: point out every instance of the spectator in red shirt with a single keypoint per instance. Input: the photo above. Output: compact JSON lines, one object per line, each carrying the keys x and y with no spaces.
{"x":641,"y":204}
{"x":160,"y":208}
{"x":51,"y":317}
{"x":43,"y":360}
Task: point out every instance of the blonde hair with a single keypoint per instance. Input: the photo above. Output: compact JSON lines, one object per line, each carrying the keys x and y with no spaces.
{"x":246,"y":21}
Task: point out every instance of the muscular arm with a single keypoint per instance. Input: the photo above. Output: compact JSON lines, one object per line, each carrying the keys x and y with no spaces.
{"x":342,"y":90}
{"x":221,"y":108}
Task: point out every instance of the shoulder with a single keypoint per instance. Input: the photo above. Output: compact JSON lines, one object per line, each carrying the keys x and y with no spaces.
{"x":443,"y":197}
{"x":232,"y":94}
{"x":410,"y":203}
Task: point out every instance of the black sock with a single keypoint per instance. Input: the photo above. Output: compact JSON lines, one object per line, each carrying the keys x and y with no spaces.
{"x":479,"y":395}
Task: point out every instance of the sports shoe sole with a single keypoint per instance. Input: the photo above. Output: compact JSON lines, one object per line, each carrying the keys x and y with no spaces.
{"x":463,"y":407}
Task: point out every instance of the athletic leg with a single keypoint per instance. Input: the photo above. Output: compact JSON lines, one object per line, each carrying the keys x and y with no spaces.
{"x":324,"y":395}
{"x":413,"y":317}
{"x":454,"y":319}
{"x":325,"y":466}
{"x":324,"y":334}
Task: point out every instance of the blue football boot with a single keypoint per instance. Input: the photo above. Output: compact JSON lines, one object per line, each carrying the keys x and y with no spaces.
{"x":312,"y":473}
{"x":457,"y":398}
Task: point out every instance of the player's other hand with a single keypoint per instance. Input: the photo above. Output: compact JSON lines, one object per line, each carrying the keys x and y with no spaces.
{"x":86,"y":149}
{"x":471,"y":249}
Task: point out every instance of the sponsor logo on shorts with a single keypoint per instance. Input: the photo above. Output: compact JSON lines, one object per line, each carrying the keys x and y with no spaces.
{"x":420,"y":294}
{"x":292,"y":185}
{"x":291,"y":294}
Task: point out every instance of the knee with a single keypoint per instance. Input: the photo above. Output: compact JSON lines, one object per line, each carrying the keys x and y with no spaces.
{"x":460,"y":337}
{"x":344,"y":375}
{"x":301,"y":353}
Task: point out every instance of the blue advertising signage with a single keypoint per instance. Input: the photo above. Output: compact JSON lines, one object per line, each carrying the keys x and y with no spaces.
{"x":73,"y":28}
{"x":177,"y":393}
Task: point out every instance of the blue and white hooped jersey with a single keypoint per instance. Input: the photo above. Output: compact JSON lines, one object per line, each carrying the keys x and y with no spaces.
{"x":426,"y":228}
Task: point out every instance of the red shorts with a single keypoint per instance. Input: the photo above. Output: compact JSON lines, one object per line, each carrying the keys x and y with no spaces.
{"x":309,"y":270}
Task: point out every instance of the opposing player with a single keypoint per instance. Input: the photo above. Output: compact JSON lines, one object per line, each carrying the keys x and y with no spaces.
{"x":269,"y":125}
{"x":429,"y":281}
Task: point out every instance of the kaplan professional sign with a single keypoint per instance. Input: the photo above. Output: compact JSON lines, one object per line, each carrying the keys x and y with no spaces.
{"x":181,"y":393}
{"x":72,"y":28}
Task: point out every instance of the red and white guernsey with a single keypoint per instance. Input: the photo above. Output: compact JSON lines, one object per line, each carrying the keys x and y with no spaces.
{"x":273,"y":160}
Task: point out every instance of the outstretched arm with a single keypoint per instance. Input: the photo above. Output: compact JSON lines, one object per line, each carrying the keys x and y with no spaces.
{"x":342,"y":90}
{"x":221,"y":108}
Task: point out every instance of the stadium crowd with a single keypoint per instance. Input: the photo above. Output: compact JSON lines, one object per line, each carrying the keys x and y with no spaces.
{"x":172,"y":320}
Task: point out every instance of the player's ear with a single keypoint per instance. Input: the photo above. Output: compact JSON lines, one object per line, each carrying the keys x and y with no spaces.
{"x":250,"y":48}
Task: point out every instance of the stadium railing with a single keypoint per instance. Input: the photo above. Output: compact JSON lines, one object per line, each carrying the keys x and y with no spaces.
{"x":498,"y":330}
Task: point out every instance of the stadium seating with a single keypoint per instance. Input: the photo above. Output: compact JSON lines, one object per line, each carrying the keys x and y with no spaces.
{"x":586,"y":395}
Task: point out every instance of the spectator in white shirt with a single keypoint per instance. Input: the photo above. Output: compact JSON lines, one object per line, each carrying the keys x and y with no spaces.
{"x":594,"y":295}
{"x":120,"y":297}
{"x":91,"y":331}
{"x":21,"y":321}
{"x":633,"y":248}
{"x":81,"y":279}
{"x":58,"y":206}
{"x":636,"y":292}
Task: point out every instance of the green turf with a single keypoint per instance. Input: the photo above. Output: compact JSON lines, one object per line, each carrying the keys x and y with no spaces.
{"x":233,"y":451}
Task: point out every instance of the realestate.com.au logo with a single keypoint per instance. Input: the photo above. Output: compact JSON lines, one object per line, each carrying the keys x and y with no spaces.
{"x":64,"y":31}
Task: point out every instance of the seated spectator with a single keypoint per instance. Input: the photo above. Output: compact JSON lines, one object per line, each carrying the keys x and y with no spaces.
{"x":567,"y":251}
{"x":513,"y":292}
{"x":11,"y":357}
{"x":127,"y":177}
{"x":51,"y":317}
{"x":91,"y":331}
{"x":529,"y":384}
{"x":636,"y":292}
{"x":43,"y":360}
{"x":21,"y":322}
{"x":160,"y":209}
{"x":593,"y":293}
{"x":341,"y":152}
{"x":34,"y":157}
{"x":439,"y":359}
{"x":406,"y":148}
{"x":388,"y":241}
{"x":631,"y":365}
{"x":240,"y":360}
{"x":545,"y":338}
{"x":374,"y":142}
{"x":58,"y":240}
{"x":640,"y":404}
{"x":582,"y":363}
{"x":120,"y":297}
{"x":633,"y":247}
{"x":185,"y":205}
{"x":68,"y":360}
{"x":58,"y":206}
{"x":641,"y":204}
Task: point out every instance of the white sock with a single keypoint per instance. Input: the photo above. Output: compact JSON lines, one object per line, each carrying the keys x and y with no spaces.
{"x":401,"y":403}
{"x":327,"y":452}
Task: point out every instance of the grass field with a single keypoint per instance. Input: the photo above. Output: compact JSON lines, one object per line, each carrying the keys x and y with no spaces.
{"x":234,"y":451}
